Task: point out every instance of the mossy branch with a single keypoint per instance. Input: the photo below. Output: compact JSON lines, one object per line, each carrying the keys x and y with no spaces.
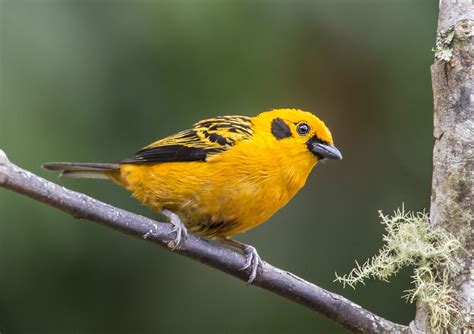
{"x":453,"y":166}
{"x":440,"y":248}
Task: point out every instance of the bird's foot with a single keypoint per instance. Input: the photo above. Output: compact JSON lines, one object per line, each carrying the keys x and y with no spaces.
{"x":178,"y":227}
{"x":252,"y":259}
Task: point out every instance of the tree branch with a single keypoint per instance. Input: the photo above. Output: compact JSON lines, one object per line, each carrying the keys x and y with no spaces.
{"x":453,"y":164}
{"x":283,"y":283}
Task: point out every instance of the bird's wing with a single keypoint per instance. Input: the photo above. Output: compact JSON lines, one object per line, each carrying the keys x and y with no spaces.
{"x":205,"y":138}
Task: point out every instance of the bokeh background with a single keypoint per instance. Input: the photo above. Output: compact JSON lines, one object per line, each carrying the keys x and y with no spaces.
{"x":96,"y":80}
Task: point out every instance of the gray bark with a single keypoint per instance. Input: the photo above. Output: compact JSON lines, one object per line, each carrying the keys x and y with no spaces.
{"x":452,"y":186}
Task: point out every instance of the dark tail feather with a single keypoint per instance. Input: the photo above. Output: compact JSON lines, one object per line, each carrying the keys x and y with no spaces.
{"x":82,"y":169}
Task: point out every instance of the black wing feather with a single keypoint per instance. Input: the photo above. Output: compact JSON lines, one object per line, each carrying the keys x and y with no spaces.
{"x":172,"y":153}
{"x":206,"y":138}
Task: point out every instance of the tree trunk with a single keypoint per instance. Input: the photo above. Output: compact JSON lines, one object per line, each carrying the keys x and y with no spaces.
{"x":452,"y":186}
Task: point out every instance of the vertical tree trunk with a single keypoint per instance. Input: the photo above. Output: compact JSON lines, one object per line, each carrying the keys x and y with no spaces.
{"x":453,"y":155}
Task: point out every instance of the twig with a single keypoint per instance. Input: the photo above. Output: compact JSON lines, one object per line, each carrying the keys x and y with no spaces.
{"x":333,"y":306}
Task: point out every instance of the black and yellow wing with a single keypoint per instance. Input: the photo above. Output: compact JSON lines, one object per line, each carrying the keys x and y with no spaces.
{"x":205,"y":138}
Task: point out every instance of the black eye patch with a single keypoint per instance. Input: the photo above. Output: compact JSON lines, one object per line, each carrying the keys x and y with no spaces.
{"x":279,"y":129}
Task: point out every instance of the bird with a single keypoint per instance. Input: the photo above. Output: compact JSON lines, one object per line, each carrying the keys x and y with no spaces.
{"x":222,"y":176}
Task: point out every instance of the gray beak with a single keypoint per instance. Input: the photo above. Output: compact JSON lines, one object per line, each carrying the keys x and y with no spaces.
{"x":324,"y":150}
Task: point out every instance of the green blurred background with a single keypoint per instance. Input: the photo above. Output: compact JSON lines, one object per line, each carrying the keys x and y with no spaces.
{"x":96,"y":80}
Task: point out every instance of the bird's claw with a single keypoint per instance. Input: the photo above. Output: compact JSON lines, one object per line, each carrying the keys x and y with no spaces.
{"x":178,"y":227}
{"x":252,"y":261}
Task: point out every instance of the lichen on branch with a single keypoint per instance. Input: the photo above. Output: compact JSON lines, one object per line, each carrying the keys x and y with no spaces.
{"x":443,"y":48}
{"x":411,"y":241}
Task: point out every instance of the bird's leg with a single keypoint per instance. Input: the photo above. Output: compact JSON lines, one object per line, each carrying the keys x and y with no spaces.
{"x":178,"y":227}
{"x":252,"y":259}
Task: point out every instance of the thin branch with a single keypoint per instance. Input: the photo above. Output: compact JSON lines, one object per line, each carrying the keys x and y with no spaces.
{"x":283,"y":283}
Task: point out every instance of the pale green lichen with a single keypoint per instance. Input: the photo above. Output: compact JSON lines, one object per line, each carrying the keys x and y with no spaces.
{"x":411,"y":241}
{"x":443,"y":49}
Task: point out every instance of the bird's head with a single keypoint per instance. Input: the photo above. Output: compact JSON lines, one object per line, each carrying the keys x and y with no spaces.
{"x":299,"y":131}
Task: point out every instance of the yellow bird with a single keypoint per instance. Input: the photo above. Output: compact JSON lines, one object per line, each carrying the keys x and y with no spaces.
{"x":223,"y":176}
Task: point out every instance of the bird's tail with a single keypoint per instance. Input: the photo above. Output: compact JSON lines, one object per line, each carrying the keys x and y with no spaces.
{"x":88,"y":170}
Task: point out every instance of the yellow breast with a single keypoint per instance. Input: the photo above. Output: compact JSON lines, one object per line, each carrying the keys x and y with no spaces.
{"x":229,"y":194}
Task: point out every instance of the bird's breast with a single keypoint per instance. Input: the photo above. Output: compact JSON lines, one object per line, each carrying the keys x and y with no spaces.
{"x":221,"y":197}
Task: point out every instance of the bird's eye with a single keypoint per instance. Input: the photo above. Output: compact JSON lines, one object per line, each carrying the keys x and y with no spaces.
{"x":302,"y":129}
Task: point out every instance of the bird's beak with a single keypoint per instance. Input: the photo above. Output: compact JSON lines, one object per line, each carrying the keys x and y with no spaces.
{"x":323,"y":150}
